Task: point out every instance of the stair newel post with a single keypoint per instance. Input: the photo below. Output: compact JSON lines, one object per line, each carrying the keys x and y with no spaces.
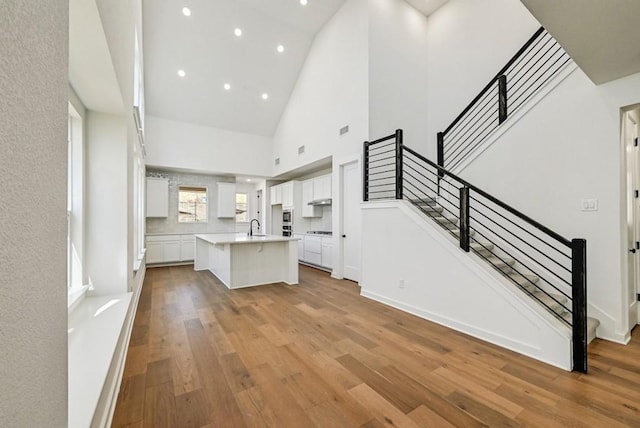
{"x":399,"y":155}
{"x":579,"y":303}
{"x":464,"y":218}
{"x":365,"y":172}
{"x":440,"y":157}
{"x":502,"y":98}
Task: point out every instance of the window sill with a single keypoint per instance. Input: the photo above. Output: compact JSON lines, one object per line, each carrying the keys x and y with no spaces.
{"x":94,"y":328}
{"x":75,"y":296}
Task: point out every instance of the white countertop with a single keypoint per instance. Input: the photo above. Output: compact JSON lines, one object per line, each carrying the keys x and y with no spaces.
{"x":242,"y":238}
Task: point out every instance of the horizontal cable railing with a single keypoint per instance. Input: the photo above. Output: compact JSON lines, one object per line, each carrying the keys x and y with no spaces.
{"x":548,"y":267}
{"x":529,"y":70}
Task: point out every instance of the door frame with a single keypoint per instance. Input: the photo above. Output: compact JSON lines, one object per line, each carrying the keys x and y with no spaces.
{"x":338,"y":209}
{"x":628,"y":204}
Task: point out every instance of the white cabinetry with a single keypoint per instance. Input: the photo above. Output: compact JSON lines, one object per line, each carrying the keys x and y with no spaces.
{"x":327,"y":252}
{"x":226,"y":200}
{"x":287,"y":194}
{"x":276,"y":194}
{"x":313,"y":249}
{"x":312,"y":190}
{"x":187,"y":247}
{"x":322,"y":187}
{"x":307,"y":196}
{"x":169,"y":248}
{"x":157,"y":197}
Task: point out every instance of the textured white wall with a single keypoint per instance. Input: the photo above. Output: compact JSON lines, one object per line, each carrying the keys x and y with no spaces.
{"x":33,"y":169}
{"x":468,"y":42}
{"x":172,"y":144}
{"x":331,"y":92}
{"x":444,"y":284}
{"x":107,"y":232}
{"x":398,"y":71}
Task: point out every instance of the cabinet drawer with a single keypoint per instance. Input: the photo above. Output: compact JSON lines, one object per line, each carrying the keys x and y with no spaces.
{"x":315,"y":258}
{"x":312,"y":245}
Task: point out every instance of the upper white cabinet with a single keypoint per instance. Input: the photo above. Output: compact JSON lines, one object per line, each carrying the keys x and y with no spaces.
{"x":285,"y":194}
{"x":226,"y":200}
{"x":276,"y":194}
{"x":307,"y":196}
{"x":312,"y":190}
{"x":157,"y":197}
{"x":322,"y":187}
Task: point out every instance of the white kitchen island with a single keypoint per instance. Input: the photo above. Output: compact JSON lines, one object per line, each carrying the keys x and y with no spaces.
{"x":241,"y":261}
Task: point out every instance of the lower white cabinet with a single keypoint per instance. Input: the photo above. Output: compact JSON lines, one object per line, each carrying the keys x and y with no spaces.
{"x":313,"y":249}
{"x":327,"y":252}
{"x":187,"y":248}
{"x":170,"y":248}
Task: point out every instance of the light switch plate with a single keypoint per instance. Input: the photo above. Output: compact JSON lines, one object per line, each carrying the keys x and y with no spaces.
{"x":589,"y":205}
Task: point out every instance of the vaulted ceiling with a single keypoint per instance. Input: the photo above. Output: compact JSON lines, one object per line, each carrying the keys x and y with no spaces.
{"x":205,"y":47}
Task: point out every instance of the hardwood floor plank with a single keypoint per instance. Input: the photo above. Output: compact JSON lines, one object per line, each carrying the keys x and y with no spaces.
{"x":160,"y":406}
{"x":224,"y":407}
{"x":385,"y":412}
{"x":193,"y":409}
{"x":319,"y":354}
{"x":130,"y":404}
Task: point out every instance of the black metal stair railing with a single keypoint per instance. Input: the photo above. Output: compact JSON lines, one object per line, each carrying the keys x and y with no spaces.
{"x":546,"y":266}
{"x":536,"y":63}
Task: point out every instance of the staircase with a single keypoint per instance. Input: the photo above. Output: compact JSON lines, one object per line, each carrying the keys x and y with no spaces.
{"x":547,"y":267}
{"x":554,"y":303}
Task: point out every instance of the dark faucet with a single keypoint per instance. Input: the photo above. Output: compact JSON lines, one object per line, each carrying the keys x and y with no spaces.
{"x":251,"y":226}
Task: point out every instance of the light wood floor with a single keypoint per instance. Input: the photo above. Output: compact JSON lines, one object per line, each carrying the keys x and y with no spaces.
{"x":319,"y":355}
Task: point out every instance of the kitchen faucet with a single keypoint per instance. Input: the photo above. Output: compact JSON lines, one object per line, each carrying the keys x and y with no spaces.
{"x":251,"y":226}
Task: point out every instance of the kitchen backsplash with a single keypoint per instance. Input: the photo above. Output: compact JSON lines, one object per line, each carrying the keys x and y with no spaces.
{"x":170,"y":224}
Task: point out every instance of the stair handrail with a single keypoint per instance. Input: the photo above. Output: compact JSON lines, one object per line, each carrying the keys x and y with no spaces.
{"x":392,"y":182}
{"x":527,"y":71}
{"x":495,"y":78}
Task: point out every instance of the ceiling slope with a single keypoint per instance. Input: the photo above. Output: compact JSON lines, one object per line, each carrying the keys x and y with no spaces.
{"x":601,"y":36}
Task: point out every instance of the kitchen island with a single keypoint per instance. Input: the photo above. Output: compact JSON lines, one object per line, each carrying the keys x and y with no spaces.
{"x":239,"y":260}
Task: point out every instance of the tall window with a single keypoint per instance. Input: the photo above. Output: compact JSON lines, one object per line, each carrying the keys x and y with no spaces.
{"x":192,"y":204}
{"x":75,"y":204}
{"x":241,"y":208}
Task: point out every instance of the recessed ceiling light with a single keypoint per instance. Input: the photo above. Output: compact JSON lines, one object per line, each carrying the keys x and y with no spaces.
{"x":265,"y":96}
{"x":186,"y":11}
{"x":227,"y":86}
{"x":303,"y":2}
{"x":181,"y":73}
{"x":280,"y":48}
{"x":248,"y":180}
{"x":237,"y":32}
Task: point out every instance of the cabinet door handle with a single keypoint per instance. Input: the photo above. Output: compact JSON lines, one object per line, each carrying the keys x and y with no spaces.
{"x":344,"y":236}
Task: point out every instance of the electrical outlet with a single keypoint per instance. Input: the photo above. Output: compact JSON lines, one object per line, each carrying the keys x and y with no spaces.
{"x":589,"y":205}
{"x":401,"y":283}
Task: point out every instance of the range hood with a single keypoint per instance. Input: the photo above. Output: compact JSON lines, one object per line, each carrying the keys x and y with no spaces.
{"x":322,"y":202}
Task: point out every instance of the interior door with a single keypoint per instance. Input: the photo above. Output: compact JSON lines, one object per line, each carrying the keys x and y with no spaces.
{"x":632,"y":145}
{"x":351,"y":221}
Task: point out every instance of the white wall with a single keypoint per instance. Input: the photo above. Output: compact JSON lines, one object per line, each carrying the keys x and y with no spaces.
{"x":172,"y":144}
{"x":33,"y":170}
{"x":444,"y":284}
{"x":107,"y":227}
{"x":398,"y":71}
{"x":567,"y":148}
{"x":331,"y":92}
{"x":468,"y":42}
